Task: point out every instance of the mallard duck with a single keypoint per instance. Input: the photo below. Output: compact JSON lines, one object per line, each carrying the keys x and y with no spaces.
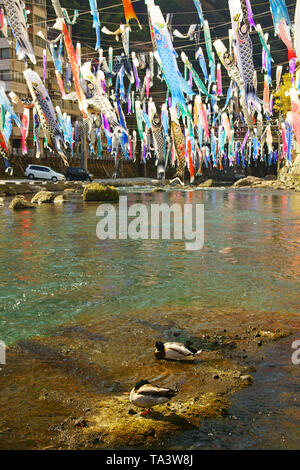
{"x":146,"y":395}
{"x":176,"y":352}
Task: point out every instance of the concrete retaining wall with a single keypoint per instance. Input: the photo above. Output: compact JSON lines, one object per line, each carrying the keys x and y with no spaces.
{"x":103,"y":168}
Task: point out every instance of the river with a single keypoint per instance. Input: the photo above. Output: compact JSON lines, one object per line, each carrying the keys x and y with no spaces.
{"x":54,"y":271}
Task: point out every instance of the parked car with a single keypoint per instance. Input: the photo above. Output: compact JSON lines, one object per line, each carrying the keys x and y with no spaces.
{"x":43,"y":173}
{"x":78,"y":174}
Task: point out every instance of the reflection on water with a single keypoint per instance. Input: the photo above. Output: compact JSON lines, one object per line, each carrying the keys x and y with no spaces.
{"x":53,"y":267}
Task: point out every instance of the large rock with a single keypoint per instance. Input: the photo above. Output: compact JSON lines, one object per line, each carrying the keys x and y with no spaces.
{"x":208,"y":184}
{"x":249,"y":182}
{"x":98,"y":192}
{"x":19,"y":203}
{"x":43,"y":197}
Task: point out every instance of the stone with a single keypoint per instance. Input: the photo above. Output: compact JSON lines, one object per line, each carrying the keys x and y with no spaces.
{"x":99,"y":193}
{"x":54,"y":187}
{"x":7,"y":190}
{"x":159,"y":190}
{"x":1,"y":201}
{"x":61,"y":199}
{"x":70,"y":190}
{"x":43,"y":197}
{"x":247,"y":378}
{"x":274,"y":336}
{"x":247,"y":182}
{"x":19,"y":203}
{"x":208,"y":184}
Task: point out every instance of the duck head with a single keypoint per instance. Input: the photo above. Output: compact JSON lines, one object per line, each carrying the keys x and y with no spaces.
{"x":140,"y":384}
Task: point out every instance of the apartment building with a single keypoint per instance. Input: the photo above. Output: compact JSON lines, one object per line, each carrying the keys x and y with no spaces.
{"x":12,"y":78}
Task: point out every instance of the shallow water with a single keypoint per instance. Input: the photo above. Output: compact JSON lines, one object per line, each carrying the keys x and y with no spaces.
{"x":53,"y":267}
{"x":55,"y":271}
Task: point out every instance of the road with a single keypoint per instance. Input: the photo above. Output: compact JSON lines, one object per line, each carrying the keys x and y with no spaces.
{"x":138,"y":181}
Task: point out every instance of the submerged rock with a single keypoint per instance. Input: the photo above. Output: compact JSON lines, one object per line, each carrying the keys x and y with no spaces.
{"x":43,"y":197}
{"x":19,"y":203}
{"x":274,"y":336}
{"x":98,"y":192}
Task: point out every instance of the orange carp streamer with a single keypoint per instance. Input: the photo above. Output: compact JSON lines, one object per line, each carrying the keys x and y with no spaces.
{"x":129,"y":12}
{"x":75,"y":70}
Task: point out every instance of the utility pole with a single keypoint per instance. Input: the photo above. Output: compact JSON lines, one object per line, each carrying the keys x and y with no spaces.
{"x":84,"y":147}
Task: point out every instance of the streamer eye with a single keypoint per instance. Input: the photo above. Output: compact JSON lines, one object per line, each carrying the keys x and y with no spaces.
{"x":226,"y":58}
{"x":244,"y":29}
{"x":158,"y":36}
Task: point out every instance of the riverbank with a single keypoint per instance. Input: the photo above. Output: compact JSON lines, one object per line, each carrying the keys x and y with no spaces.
{"x":12,"y":188}
{"x":70,"y":389}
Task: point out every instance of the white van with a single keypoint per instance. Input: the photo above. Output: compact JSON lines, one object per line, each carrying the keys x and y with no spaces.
{"x":43,"y":173}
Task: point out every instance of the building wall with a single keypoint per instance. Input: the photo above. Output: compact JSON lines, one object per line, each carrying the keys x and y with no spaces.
{"x":11,"y":73}
{"x":11,"y":69}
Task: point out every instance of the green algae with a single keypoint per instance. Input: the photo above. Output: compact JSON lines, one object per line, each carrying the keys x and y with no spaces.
{"x":116,"y":426}
{"x":98,"y":192}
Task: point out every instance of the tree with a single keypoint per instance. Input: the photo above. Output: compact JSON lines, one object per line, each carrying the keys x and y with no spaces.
{"x":282,"y":99}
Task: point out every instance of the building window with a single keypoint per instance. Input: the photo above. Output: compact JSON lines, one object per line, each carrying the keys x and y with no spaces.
{"x":39,"y":42}
{"x":39,"y":3}
{"x":4,"y":53}
{"x":17,"y":77}
{"x":39,"y":21}
{"x":5,"y":75}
